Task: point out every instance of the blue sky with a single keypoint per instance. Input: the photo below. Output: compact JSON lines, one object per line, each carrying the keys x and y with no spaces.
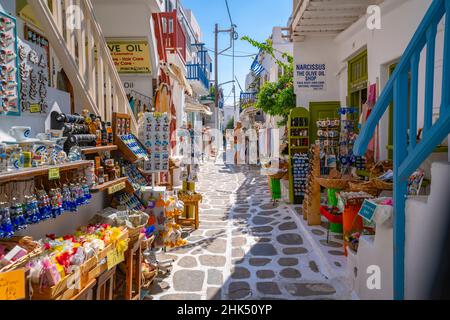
{"x":254,"y":18}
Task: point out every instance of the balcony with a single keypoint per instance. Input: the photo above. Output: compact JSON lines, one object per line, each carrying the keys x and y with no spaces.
{"x":247,"y":99}
{"x":170,"y":35}
{"x":197,"y":76}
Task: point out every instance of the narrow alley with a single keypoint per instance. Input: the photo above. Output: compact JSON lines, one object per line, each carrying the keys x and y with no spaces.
{"x":245,"y":248}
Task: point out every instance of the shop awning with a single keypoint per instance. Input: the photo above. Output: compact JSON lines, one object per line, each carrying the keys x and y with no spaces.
{"x":193,"y":105}
{"x":177,"y":74}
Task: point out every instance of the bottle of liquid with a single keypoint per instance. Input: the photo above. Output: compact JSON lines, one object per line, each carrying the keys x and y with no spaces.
{"x":104,"y":134}
{"x":92,"y":125}
{"x":109,"y":133}
{"x":98,"y":132}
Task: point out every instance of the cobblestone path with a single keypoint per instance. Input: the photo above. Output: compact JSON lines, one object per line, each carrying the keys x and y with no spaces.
{"x":245,"y":248}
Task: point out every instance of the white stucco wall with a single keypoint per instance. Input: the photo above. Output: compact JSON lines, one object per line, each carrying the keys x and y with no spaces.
{"x":400,"y":19}
{"x":130,"y":21}
{"x":319,"y":50}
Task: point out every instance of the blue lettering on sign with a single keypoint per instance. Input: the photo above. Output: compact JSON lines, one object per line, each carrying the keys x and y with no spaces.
{"x":367,"y":210}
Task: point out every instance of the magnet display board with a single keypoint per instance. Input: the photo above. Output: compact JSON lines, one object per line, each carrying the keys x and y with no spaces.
{"x":9,"y":70}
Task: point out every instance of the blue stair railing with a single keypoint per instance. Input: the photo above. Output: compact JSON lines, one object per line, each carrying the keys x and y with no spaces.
{"x":408,"y":153}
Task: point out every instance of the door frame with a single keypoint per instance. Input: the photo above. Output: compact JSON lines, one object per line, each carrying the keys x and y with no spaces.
{"x":320,"y":106}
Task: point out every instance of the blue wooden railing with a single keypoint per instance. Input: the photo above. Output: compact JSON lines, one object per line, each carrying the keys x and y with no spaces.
{"x":408,"y":153}
{"x":198,"y":72}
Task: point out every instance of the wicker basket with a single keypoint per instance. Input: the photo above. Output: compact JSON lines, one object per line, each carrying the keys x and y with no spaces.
{"x":364,"y":186}
{"x":34,"y":249}
{"x":338,"y":184}
{"x":382,"y":185}
{"x":380,"y":167}
{"x":195,"y":197}
{"x":279,"y":175}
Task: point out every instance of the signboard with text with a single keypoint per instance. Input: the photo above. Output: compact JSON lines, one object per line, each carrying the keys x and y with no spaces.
{"x":130,"y":56}
{"x":311,"y":76}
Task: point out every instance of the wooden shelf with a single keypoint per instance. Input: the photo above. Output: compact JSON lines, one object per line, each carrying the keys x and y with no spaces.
{"x":105,"y":186}
{"x":299,"y":137}
{"x":29,"y":173}
{"x":93,"y":150}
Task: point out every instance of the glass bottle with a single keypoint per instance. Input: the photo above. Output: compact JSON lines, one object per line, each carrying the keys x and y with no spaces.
{"x":98,"y":132}
{"x":109,"y":133}
{"x":92,"y":125}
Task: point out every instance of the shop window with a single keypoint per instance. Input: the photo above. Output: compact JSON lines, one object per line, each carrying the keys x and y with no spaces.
{"x":164,"y":25}
{"x":170,"y":26}
{"x":358,"y":80}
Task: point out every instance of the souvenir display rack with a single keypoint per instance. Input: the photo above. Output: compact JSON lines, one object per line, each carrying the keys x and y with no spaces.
{"x":328,"y":139}
{"x":311,"y":203}
{"x":34,"y":53}
{"x":9,"y":59}
{"x":298,"y":126}
{"x":26,"y":174}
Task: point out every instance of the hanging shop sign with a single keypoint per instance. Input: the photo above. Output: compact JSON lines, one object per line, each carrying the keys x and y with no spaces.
{"x":130,"y":56}
{"x":311,"y":76}
{"x":12,"y":285}
{"x":115,"y":257}
{"x":367,"y":210}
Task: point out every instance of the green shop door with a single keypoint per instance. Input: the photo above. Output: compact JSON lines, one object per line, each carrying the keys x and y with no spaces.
{"x":322,"y":111}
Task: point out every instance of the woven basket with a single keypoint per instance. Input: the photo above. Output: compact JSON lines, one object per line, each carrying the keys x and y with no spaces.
{"x":279,"y":175}
{"x":380,"y":167}
{"x":338,"y":184}
{"x":364,"y":186}
{"x":382,"y":185}
{"x":190,"y":197}
{"x":34,"y":249}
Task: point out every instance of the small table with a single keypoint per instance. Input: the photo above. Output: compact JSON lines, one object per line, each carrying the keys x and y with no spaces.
{"x":87,"y":293}
{"x":133,"y":260}
{"x":190,"y":201}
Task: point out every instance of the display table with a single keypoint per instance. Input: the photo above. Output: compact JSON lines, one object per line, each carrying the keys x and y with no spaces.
{"x":105,"y":285}
{"x":87,"y":293}
{"x":191,"y":203}
{"x":133,"y":260}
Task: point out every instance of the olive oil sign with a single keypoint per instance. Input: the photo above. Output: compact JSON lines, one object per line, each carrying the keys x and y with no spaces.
{"x":130,"y":56}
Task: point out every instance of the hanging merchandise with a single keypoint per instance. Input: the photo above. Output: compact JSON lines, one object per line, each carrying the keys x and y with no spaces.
{"x":9,"y":67}
{"x":154,"y":134}
{"x":31,"y":203}
{"x":347,"y":139}
{"x":34,"y":71}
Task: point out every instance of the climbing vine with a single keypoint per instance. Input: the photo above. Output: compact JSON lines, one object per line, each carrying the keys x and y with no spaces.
{"x":276,"y":98}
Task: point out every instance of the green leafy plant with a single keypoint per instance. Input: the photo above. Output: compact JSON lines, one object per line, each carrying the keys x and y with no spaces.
{"x":230,"y":124}
{"x":276,"y":98}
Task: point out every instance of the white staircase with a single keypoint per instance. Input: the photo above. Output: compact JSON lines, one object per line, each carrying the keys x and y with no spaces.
{"x":78,"y":41}
{"x":426,"y":220}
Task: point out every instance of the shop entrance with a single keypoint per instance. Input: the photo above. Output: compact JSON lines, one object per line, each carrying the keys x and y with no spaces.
{"x":357,"y":81}
{"x":322,"y":111}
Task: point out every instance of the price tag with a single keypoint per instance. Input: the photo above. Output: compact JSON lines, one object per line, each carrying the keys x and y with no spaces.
{"x":114,"y":257}
{"x":367,"y":210}
{"x":35,"y":108}
{"x":53,"y":174}
{"x":12,"y":285}
{"x":116,"y":188}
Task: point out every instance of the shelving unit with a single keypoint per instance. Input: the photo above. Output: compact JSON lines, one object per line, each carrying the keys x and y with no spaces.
{"x":26,"y":174}
{"x":107,"y":185}
{"x":94,"y":150}
{"x":299,"y":144}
